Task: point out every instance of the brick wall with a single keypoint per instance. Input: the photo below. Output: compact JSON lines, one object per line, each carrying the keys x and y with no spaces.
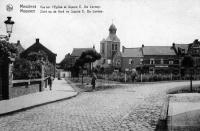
{"x":24,"y":89}
{"x":125,"y":62}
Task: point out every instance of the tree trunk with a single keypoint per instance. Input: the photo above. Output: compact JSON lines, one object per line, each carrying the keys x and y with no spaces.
{"x":82,"y":78}
{"x":191,"y":82}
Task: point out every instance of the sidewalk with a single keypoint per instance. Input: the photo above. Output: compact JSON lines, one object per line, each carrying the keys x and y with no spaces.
{"x":184,"y":112}
{"x":60,"y":90}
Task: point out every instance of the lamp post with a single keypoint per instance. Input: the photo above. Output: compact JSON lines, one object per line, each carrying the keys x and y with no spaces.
{"x":9,"y":25}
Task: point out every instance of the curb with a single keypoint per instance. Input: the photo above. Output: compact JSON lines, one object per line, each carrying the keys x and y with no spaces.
{"x":74,"y":86}
{"x":162,"y":122}
{"x":33,"y":106}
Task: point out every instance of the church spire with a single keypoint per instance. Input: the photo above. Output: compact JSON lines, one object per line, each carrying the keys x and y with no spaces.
{"x":112,"y":29}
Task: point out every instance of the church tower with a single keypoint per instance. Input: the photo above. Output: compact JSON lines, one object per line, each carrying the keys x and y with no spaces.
{"x":110,"y":46}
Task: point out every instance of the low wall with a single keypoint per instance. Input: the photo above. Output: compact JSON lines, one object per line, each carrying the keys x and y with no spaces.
{"x":24,"y":89}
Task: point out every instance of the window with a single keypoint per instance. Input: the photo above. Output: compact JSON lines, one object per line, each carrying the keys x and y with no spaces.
{"x":113,"y":47}
{"x":152,"y":61}
{"x":109,"y":61}
{"x":130,"y":61}
{"x":141,"y":61}
{"x":116,"y":47}
{"x":161,"y":61}
{"x":157,"y":61}
{"x":171,"y":62}
{"x":102,"y":48}
{"x":166,"y":61}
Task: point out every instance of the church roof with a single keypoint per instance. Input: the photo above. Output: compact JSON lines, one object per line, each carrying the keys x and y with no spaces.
{"x":112,"y":27}
{"x":158,"y":50}
{"x":132,"y":52}
{"x":112,"y":37}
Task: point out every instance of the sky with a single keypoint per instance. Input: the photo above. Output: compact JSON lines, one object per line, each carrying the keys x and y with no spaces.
{"x":148,"y":22}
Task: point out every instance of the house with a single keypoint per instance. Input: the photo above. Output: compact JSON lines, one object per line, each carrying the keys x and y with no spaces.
{"x":46,"y":54}
{"x":19,"y":48}
{"x":192,"y":49}
{"x":150,"y":59}
{"x":131,"y":58}
{"x":160,"y":60}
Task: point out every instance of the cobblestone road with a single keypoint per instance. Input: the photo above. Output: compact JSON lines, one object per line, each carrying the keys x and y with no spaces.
{"x":129,"y":107}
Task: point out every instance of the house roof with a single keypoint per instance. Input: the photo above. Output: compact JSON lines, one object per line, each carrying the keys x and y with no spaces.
{"x":38,"y":46}
{"x":132,"y":52}
{"x":78,"y":51}
{"x":158,"y":50}
{"x":19,"y":47}
{"x":182,"y":46}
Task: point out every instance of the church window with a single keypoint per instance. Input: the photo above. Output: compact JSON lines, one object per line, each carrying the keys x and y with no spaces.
{"x":103,"y":48}
{"x":113,"y":47}
{"x":116,"y":47}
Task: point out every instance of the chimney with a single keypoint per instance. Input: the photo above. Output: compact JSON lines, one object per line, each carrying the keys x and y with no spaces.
{"x":173,"y":44}
{"x":123,"y":48}
{"x":142,"y":45}
{"x":18,"y":42}
{"x":37,"y":40}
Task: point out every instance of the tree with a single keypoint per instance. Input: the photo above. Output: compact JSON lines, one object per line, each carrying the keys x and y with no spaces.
{"x":188,"y":64}
{"x":7,"y":49}
{"x":88,"y":56}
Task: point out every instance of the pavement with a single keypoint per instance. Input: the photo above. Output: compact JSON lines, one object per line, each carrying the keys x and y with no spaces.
{"x":60,"y":91}
{"x":184,"y":112}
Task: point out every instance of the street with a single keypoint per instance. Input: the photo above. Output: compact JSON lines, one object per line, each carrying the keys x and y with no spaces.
{"x":127,"y":107}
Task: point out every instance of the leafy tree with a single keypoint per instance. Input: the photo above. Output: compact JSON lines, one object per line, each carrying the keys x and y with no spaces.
{"x":25,"y":69}
{"x":88,"y":56}
{"x":188,"y":64}
{"x":7,"y":49}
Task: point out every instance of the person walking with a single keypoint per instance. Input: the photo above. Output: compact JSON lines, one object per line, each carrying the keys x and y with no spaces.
{"x":93,"y":82}
{"x":50,"y":81}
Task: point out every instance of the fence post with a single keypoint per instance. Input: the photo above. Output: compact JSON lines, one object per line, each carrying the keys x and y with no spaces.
{"x":7,"y":78}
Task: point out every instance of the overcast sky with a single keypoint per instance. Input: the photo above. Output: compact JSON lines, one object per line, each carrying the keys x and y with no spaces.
{"x":148,"y":22}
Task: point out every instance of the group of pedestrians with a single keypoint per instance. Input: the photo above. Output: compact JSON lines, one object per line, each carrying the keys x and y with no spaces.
{"x":93,"y":81}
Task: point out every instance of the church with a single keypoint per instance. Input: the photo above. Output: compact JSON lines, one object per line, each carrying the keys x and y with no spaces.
{"x":109,"y":47}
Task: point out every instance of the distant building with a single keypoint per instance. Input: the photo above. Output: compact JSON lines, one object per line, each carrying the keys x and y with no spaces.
{"x":19,"y":48}
{"x":109,"y":47}
{"x":76,"y":53}
{"x":38,"y":48}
